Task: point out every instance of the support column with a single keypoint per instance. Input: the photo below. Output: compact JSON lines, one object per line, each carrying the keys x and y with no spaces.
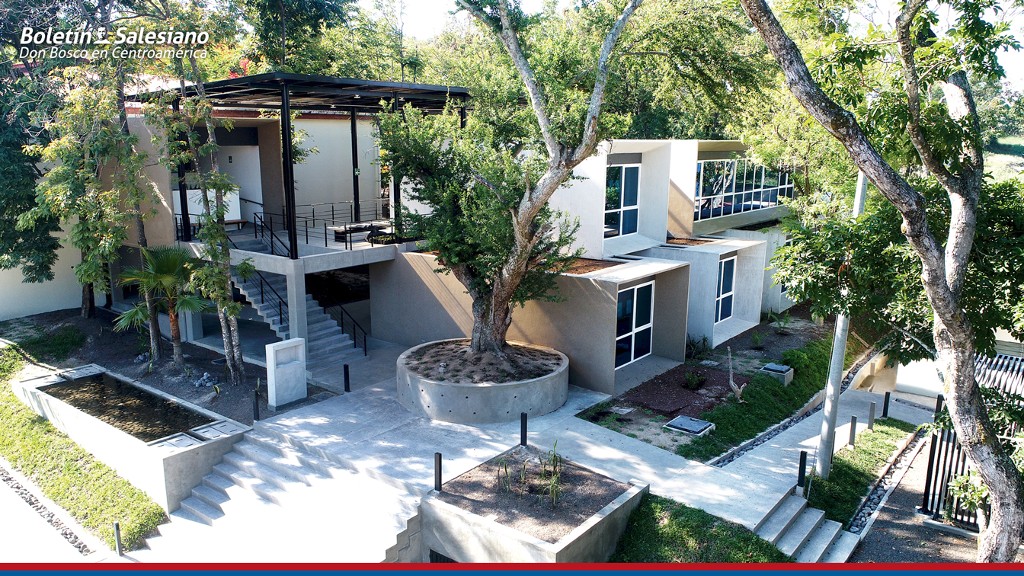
{"x":288,"y":171}
{"x":830,"y":411}
{"x":357,"y":215}
{"x":186,"y":223}
{"x":191,"y":324}
{"x":296,"y":276}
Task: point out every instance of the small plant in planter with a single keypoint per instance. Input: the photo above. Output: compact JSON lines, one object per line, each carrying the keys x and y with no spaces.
{"x":780,"y":321}
{"x":757,"y":340}
{"x":694,"y":381}
{"x":698,"y":349}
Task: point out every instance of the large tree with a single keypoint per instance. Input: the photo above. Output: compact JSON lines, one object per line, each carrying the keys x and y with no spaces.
{"x":929,"y":96}
{"x":508,"y":250}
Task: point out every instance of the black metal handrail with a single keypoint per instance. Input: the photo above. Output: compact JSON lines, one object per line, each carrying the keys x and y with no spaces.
{"x":262,"y":228}
{"x":339,"y":315}
{"x":344,"y":210}
{"x":325,"y":229}
{"x":260,"y":204}
{"x":265,"y":286}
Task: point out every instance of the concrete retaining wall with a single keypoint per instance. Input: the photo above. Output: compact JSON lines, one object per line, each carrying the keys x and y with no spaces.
{"x":484,"y":402}
{"x":467,"y":537}
{"x":163,"y":471}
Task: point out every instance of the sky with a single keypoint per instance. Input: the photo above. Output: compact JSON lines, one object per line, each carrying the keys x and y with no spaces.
{"x":424,"y":19}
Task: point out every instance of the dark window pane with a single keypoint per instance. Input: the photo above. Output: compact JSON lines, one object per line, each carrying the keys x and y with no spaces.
{"x":718,"y":310}
{"x":642,"y":343}
{"x":624,"y":313}
{"x":728,"y":267}
{"x":613,"y":193}
{"x":623,"y":351}
{"x":630,"y":186}
{"x":726,"y":308}
{"x":629,"y":221}
{"x":700,"y":169}
{"x":643,"y":305}
{"x":611,"y":224}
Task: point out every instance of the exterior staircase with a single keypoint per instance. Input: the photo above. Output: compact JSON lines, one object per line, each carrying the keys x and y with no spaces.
{"x":270,"y":501}
{"x":805,"y":534}
{"x":328,"y":348}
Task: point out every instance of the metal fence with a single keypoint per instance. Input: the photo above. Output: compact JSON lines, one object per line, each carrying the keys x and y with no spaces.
{"x":946,"y":457}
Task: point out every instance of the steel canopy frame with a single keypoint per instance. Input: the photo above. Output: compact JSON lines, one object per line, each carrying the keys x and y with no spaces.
{"x":284,"y":92}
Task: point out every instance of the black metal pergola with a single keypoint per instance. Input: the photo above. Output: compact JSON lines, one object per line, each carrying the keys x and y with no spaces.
{"x":285,"y":92}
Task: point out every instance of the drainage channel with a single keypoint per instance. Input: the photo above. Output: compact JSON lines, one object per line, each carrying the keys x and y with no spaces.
{"x":43,"y":511}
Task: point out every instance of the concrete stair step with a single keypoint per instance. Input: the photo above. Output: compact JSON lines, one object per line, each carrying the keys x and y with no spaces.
{"x":820,"y":541}
{"x":280,"y":477}
{"x":201,"y":510}
{"x":266,"y":490}
{"x":323,"y":468}
{"x":800,"y":531}
{"x":779,"y":521}
{"x":213,"y":497}
{"x":285,"y":462}
{"x":217,"y":482}
{"x":841,"y":549}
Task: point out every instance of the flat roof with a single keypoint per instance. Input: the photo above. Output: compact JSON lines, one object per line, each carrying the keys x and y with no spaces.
{"x":313,"y":92}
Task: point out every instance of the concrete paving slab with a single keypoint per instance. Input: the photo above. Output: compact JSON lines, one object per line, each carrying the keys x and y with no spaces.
{"x":26,"y":537}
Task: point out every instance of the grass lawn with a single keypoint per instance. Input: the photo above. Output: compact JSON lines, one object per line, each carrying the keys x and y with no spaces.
{"x":1005,"y":159}
{"x":85,"y":487}
{"x":854,"y":471}
{"x":766,"y":401}
{"x":663,"y":530}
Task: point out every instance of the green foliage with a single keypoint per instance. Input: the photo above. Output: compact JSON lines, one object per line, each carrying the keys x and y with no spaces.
{"x":855,"y":471}
{"x":283,"y":28}
{"x":55,"y":345}
{"x":663,"y":530}
{"x":693,"y":381}
{"x":471,"y":185}
{"x":815,"y":268}
{"x":32,"y":245}
{"x":88,"y":489}
{"x":93,"y":185}
{"x":766,"y":402}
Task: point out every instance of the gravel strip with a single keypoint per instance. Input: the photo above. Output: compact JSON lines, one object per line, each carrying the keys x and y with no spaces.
{"x":43,"y":511}
{"x":886,"y":484}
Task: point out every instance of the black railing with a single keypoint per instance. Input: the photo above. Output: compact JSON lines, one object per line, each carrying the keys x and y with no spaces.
{"x":349,"y":325}
{"x":344,"y":211}
{"x":322,"y":230}
{"x":946,"y":457}
{"x":268,"y":294}
{"x":263,"y":229}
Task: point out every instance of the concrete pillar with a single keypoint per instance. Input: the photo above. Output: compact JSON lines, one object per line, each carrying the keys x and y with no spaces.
{"x":296,"y":276}
{"x":191,"y":324}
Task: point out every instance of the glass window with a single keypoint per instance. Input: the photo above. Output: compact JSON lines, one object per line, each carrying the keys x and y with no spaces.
{"x":731,"y":186}
{"x":726,"y":281}
{"x":633,"y":327}
{"x":622,"y":196}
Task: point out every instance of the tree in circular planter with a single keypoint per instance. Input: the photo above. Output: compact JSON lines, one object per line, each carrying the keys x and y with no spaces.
{"x":487,"y":184}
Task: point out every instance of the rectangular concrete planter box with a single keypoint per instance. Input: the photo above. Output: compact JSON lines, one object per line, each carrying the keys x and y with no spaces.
{"x":784,"y":378}
{"x":467,"y":537}
{"x":166,"y":469}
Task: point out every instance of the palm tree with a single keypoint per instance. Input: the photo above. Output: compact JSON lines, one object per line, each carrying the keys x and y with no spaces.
{"x":165,"y":274}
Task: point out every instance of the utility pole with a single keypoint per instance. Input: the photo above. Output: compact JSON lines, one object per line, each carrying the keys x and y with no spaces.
{"x":830,"y":412}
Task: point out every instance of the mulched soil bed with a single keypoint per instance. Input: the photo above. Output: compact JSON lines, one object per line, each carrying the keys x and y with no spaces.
{"x":120,"y":352}
{"x":452,"y":361}
{"x":667,"y":394}
{"x":587,"y":265}
{"x":527,"y":506}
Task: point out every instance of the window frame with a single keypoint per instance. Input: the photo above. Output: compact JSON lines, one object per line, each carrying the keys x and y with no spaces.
{"x":622,"y":197}
{"x":635,"y":329}
{"x":720,"y":294}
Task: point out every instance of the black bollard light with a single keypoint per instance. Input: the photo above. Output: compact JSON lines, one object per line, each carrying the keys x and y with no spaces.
{"x":117,"y":539}
{"x":853,"y":431}
{"x":801,"y":478}
{"x":348,"y":380}
{"x":885,"y":405}
{"x":437,"y":471}
{"x":522,"y":429}
{"x":255,"y":405}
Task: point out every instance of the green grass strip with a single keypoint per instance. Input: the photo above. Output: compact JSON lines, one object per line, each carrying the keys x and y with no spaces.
{"x":663,"y":530}
{"x":53,"y":346}
{"x":88,"y":489}
{"x":854,"y":471}
{"x":766,"y":402}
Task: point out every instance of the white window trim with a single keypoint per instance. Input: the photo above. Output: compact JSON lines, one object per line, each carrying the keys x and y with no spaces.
{"x":639,"y":178}
{"x":642,"y":327}
{"x":731,"y":292}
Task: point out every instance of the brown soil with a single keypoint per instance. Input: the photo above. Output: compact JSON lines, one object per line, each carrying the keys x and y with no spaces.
{"x":527,"y":506}
{"x":587,"y":265}
{"x":667,"y":394}
{"x":687,"y":241}
{"x":452,"y":361}
{"x":117,"y":352}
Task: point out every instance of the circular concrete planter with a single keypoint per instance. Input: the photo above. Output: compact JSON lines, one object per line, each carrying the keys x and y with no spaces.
{"x":484,"y":402}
